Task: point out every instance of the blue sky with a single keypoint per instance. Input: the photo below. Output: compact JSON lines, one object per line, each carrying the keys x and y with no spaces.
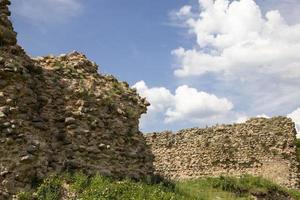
{"x":198,"y":62}
{"x":131,"y":39}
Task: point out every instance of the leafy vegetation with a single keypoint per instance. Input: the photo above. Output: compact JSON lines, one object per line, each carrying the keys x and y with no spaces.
{"x":82,"y":187}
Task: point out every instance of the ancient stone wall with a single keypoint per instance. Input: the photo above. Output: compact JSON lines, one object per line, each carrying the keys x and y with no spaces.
{"x":58,"y":113}
{"x":7,"y":34}
{"x":260,"y":147}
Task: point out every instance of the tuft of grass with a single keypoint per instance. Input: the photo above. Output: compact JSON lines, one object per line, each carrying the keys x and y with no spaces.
{"x":24,"y":196}
{"x":50,"y":189}
{"x":78,"y":181}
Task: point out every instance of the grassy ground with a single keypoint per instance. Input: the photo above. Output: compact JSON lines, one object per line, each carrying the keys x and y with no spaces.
{"x":81,"y":187}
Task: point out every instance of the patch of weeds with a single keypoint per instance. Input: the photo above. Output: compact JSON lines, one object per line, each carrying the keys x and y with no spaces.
{"x":109,"y":102}
{"x":58,"y":66}
{"x":79,"y":181}
{"x":24,"y":196}
{"x":130,"y":113}
{"x":50,"y":189}
{"x":117,"y":88}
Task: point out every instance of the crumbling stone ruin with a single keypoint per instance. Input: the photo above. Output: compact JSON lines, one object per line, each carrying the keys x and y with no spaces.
{"x":260,"y":147}
{"x":58,"y":113}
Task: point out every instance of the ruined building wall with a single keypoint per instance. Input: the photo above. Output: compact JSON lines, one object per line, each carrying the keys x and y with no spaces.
{"x":58,"y":113}
{"x":260,"y":147}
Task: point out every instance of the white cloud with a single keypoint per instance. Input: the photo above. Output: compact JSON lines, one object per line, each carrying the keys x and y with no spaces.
{"x":187,"y":104}
{"x":40,"y":12}
{"x":245,"y":53}
{"x":232,"y":36}
{"x":263,"y":116}
{"x":193,"y":105}
{"x":288,"y":8}
{"x":244,"y":118}
{"x":295,"y":115}
{"x":184,"y":11}
{"x":160,"y":98}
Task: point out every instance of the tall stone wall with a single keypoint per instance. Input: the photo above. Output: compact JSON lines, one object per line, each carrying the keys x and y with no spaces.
{"x":58,"y":113}
{"x":260,"y":147}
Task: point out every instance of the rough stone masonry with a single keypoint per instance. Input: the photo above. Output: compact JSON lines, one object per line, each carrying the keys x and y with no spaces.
{"x":58,"y":113}
{"x":260,"y":147}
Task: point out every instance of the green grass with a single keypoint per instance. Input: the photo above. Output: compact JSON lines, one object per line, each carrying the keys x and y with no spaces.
{"x":98,"y":187}
{"x":206,"y":189}
{"x":230,"y":188}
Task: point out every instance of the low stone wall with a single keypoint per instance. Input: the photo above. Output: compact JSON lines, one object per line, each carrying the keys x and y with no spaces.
{"x":260,"y":147}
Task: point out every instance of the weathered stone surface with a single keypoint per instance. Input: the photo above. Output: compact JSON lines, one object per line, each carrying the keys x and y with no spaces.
{"x":260,"y":147}
{"x":7,"y":34}
{"x":57,"y":112}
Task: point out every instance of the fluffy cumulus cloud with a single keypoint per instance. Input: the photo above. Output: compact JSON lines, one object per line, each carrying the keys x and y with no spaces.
{"x":296,"y":118}
{"x":288,"y":8}
{"x":186,"y":104}
{"x":159,"y":97}
{"x":193,"y":105}
{"x":235,"y":35}
{"x":41,"y":12}
{"x":245,"y":52}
